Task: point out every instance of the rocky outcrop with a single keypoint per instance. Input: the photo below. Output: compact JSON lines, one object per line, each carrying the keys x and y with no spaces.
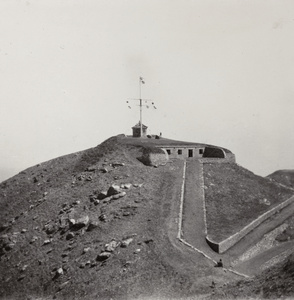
{"x":154,"y":157}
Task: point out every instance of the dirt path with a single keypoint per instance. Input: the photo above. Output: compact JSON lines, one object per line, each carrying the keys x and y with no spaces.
{"x":193,"y":227}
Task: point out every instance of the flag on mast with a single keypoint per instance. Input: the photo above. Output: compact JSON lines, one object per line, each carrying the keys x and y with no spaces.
{"x":142,"y":80}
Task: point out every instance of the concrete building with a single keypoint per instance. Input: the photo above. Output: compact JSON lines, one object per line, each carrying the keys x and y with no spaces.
{"x":183,"y":151}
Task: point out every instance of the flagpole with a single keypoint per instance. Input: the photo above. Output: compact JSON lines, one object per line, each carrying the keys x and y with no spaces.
{"x":141,"y":126}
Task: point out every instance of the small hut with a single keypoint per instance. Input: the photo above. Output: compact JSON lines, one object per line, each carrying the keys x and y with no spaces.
{"x":137,"y":130}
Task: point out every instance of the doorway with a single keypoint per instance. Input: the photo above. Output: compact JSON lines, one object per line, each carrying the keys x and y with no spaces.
{"x":190,"y":152}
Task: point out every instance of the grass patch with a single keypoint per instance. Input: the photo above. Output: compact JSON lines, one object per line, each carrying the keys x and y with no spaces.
{"x":235,"y":197}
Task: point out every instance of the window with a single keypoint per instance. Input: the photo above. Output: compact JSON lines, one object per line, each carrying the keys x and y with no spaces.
{"x":168,"y":151}
{"x":200,"y":151}
{"x":180,"y":152}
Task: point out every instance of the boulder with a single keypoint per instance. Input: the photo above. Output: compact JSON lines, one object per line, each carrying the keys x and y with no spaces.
{"x":126,"y":186}
{"x":92,"y":225}
{"x":113,"y":190}
{"x":111,"y":246}
{"x":120,"y":195}
{"x":125,"y":243}
{"x":103,"y":170}
{"x":70,"y":236}
{"x":9,"y":246}
{"x":34,"y":238}
{"x":49,"y":228}
{"x":117,"y":164}
{"x":82,"y":222}
{"x":102,"y":195}
{"x":59,"y":272}
{"x":91,"y":169}
{"x":103,"y":256}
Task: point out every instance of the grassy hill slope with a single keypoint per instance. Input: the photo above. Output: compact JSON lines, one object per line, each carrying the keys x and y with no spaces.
{"x":285,"y":177}
{"x":53,"y":230}
{"x":235,"y":196}
{"x":59,"y":238}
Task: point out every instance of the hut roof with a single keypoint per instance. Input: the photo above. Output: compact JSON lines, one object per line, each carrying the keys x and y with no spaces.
{"x":138,"y":125}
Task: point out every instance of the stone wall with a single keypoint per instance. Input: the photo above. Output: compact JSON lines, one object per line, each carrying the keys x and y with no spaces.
{"x":233,"y":239}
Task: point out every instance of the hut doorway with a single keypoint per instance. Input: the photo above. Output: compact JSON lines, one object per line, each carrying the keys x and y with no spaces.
{"x":190,"y":153}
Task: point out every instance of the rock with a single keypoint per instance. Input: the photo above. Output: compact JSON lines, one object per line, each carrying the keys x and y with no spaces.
{"x":59,"y":272}
{"x":34,"y":238}
{"x":91,"y":169}
{"x":72,"y":222}
{"x":137,"y":184}
{"x":23,"y":230}
{"x":9,"y":246}
{"x":92,"y":198}
{"x":102,"y":217}
{"x":126,"y":213}
{"x":102,"y":195}
{"x":82,"y":222}
{"x":103,"y":256}
{"x":3,"y":227}
{"x":45,"y":194}
{"x":21,"y":277}
{"x":87,"y":249}
{"x":120,"y":195}
{"x":113,"y":190}
{"x":70,"y":236}
{"x":117,"y":164}
{"x":103,"y":170}
{"x":89,"y":178}
{"x":49,"y":228}
{"x":125,"y":243}
{"x":92,"y":225}
{"x":96,"y":202}
{"x":63,"y":222}
{"x":111,"y":246}
{"x":23,"y":268}
{"x":48,"y":241}
{"x":126,"y":186}
{"x":76,"y":202}
{"x":107,"y":199}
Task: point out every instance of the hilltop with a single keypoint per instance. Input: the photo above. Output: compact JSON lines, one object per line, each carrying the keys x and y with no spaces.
{"x":285,"y":177}
{"x":101,"y":224}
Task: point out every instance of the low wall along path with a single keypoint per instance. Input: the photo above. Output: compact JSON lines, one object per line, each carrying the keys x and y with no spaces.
{"x":192,"y":227}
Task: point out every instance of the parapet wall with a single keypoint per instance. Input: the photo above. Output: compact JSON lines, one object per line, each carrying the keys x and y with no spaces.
{"x":233,"y":239}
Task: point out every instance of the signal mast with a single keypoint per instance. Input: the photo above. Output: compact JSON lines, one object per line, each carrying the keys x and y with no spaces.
{"x":142,"y":81}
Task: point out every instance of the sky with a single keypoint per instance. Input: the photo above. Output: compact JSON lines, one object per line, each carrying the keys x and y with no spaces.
{"x":219,"y":72}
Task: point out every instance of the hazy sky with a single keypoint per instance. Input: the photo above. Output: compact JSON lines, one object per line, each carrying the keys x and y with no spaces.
{"x":219,"y":72}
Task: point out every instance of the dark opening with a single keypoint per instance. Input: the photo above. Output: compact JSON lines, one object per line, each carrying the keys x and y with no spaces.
{"x":168,"y":151}
{"x":190,"y":152}
{"x":180,"y":152}
{"x":200,"y":151}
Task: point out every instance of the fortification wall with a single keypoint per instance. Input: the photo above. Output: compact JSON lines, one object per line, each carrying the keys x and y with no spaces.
{"x":224,"y":245}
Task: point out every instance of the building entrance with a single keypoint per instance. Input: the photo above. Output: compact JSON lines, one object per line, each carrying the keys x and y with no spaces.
{"x":190,"y":152}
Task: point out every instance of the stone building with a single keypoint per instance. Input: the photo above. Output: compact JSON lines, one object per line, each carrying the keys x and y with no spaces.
{"x":137,"y":130}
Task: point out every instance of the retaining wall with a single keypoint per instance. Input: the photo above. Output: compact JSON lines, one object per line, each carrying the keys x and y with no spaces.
{"x":233,"y":239}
